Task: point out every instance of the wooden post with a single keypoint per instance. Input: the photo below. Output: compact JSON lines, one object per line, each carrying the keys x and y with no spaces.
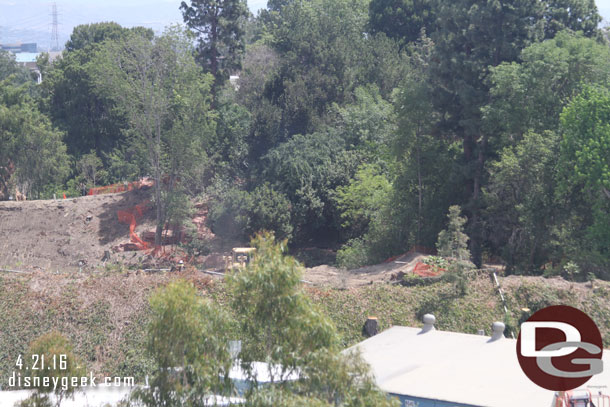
{"x":370,"y":327}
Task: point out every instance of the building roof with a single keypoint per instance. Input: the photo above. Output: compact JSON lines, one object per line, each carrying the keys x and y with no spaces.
{"x":263,"y":372}
{"x":457,"y":368}
{"x":25,"y":57}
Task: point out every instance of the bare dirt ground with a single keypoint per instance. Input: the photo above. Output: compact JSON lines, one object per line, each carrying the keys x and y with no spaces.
{"x":76,"y":234}
{"x":379,"y":273}
{"x":56,"y":235}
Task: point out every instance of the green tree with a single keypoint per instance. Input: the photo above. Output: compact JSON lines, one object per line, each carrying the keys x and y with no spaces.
{"x":575,"y":15}
{"x":85,"y":36}
{"x":530,"y":94}
{"x":282,"y":327}
{"x":360,"y":201}
{"x":166,"y":99}
{"x":307,"y":169}
{"x":239,"y":214}
{"x":32,"y":154}
{"x":188,"y":337}
{"x":369,"y":218}
{"x":453,"y":242}
{"x":10,"y":68}
{"x":520,"y":196}
{"x":366,"y":124}
{"x":219,"y":25}
{"x":90,"y":120}
{"x":423,"y":157}
{"x":51,"y":356}
{"x":402,"y":20}
{"x":90,"y":169}
{"x":322,"y":48}
{"x":270,"y":210}
{"x":229,"y":149}
{"x":584,"y":174}
{"x":472,"y":37}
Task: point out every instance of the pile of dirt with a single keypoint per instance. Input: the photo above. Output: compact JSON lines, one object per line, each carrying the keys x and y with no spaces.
{"x":68,"y":234}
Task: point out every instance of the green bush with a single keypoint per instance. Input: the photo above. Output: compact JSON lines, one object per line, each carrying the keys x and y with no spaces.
{"x":238,"y":214}
{"x":353,"y":254}
{"x":269,"y":210}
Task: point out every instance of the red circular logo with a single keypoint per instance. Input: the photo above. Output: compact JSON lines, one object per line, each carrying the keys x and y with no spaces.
{"x":560,"y":348}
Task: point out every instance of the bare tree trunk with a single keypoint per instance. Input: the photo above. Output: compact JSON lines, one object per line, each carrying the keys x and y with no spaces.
{"x":476,"y":235}
{"x":158,"y":184}
{"x":420,"y":190}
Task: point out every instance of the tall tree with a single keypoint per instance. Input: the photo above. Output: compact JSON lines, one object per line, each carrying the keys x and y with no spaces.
{"x":453,"y":242}
{"x":584,"y":174}
{"x":32,"y":154}
{"x":166,"y":98}
{"x":402,"y":20}
{"x":87,"y":35}
{"x":529,"y":95}
{"x":472,"y":37}
{"x":219,"y":25}
{"x":322,"y":46}
{"x":576,"y":15}
{"x":521,"y":208}
{"x":90,"y":120}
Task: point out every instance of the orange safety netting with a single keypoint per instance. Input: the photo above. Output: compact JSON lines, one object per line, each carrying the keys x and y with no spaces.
{"x":130,"y":217}
{"x":115,"y":188}
{"x":425,"y":270}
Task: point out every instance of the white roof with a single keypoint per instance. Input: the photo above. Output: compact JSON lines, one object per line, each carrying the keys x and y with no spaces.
{"x":455,"y":367}
{"x":23,"y":57}
{"x":263,"y":373}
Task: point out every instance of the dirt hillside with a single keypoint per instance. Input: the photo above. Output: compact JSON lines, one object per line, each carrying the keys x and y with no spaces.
{"x":325,"y":275}
{"x":59,"y":234}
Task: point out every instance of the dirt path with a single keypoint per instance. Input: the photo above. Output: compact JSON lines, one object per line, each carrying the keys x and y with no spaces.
{"x":379,"y":273}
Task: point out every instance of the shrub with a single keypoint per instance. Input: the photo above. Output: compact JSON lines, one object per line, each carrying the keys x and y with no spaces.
{"x":52,"y":356}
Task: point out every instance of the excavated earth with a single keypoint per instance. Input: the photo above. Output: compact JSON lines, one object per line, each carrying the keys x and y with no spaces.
{"x":68,"y":234}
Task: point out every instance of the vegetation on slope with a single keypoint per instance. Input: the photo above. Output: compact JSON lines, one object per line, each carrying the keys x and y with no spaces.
{"x":105,"y":316}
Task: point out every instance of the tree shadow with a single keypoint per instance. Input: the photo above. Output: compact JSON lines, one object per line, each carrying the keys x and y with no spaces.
{"x":111,"y":229}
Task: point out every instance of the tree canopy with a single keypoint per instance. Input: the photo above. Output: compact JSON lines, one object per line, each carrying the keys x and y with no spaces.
{"x":350,"y":125}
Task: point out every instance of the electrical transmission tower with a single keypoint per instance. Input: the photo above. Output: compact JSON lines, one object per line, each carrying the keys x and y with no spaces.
{"x":54,"y":30}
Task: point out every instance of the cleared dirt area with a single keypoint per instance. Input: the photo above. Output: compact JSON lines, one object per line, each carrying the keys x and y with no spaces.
{"x":57,"y":235}
{"x":379,"y":273}
{"x":84,"y":233}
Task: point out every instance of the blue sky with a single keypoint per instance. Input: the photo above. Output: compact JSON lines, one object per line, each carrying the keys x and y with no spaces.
{"x":30,"y":21}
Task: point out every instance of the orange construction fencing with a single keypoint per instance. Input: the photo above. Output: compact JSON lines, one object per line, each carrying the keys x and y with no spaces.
{"x":115,"y":188}
{"x":425,"y":270}
{"x":130,"y":217}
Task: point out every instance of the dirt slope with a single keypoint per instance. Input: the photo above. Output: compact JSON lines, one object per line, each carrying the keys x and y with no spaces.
{"x":58,"y":234}
{"x":379,"y":273}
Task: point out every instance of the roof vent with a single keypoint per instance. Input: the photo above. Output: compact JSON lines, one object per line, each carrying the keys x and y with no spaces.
{"x":429,"y":321}
{"x":498,"y":331}
{"x":481,"y":332}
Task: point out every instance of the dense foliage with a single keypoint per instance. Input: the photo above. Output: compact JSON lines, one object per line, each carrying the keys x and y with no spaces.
{"x":355,"y":125}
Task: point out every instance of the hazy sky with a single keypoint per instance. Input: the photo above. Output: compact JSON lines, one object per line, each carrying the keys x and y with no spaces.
{"x":30,"y":20}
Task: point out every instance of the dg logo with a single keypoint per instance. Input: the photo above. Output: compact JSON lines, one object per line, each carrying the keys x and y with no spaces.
{"x":560,"y":348}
